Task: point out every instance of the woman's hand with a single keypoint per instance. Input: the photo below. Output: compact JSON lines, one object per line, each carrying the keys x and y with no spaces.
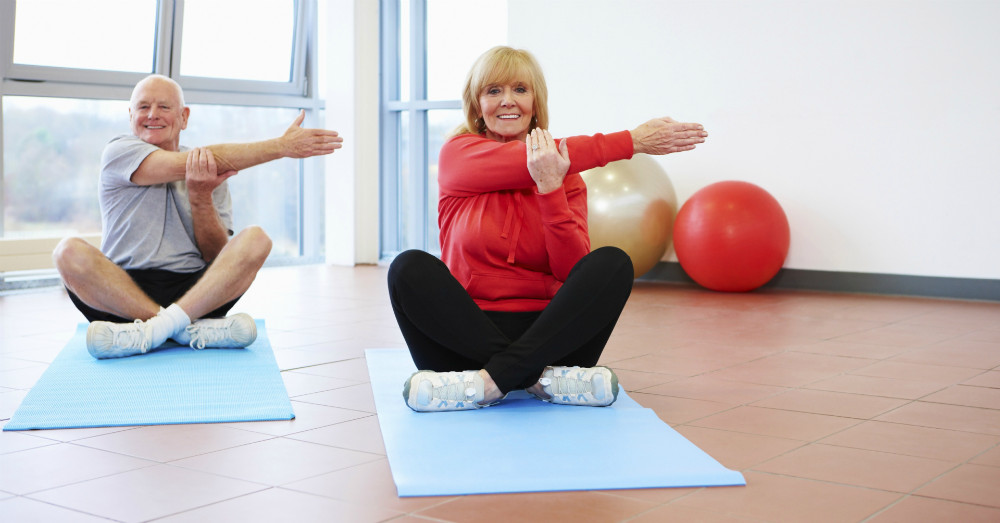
{"x":547,"y":163}
{"x":665,"y":136}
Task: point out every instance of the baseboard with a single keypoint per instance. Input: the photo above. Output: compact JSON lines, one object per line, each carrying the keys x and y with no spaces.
{"x":856,"y":282}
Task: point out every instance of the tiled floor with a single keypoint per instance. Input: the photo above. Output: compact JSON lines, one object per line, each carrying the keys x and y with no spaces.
{"x":835,"y":407}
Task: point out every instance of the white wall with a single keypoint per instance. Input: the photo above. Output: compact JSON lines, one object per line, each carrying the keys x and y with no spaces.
{"x":351,"y":59}
{"x":875,"y":123}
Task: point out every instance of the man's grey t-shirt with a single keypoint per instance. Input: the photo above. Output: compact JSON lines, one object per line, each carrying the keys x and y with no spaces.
{"x":149,"y":226}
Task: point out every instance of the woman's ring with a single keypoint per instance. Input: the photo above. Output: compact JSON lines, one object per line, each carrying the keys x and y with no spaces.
{"x":534,"y":147}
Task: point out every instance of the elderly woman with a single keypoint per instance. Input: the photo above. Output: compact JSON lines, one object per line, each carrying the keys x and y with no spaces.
{"x":517,"y":300}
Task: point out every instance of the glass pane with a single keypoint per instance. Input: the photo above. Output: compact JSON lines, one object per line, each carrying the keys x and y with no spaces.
{"x":404,"y":50}
{"x":110,"y":35}
{"x":439,"y":124}
{"x":239,"y":39}
{"x":266,"y":195}
{"x":52,"y":161}
{"x":456,"y":36}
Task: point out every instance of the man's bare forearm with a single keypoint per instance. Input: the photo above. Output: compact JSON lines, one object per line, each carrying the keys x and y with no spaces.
{"x":209,"y":232}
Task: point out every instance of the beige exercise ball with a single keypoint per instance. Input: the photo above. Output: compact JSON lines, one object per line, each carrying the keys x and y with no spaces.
{"x":631,"y":205}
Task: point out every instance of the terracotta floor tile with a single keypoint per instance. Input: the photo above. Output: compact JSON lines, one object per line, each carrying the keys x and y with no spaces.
{"x":952,"y":417}
{"x":355,"y":397}
{"x":635,"y":315}
{"x":877,"y":386}
{"x":853,"y":350}
{"x":966,"y":315}
{"x":830,"y":403}
{"x":990,"y":458}
{"x":23,"y":378}
{"x":866,"y":468}
{"x":939,"y":374}
{"x":924,"y":442}
{"x":9,"y":401}
{"x":165,"y":443}
{"x":298,"y":383}
{"x":961,"y":352}
{"x":26,"y":509}
{"x":900,"y":335}
{"x":308,"y":416}
{"x":680,"y":365}
{"x":16,"y":441}
{"x":710,"y":388}
{"x":149,"y":493}
{"x":737,"y":450}
{"x":355,"y":370}
{"x":777,"y":423}
{"x":674,"y":513}
{"x":780,"y":499}
{"x":791,"y":369}
{"x":675,"y":411}
{"x":45,"y":467}
{"x":278,"y":504}
{"x":552,"y":507}
{"x":651,"y":495}
{"x":916,"y":508}
{"x":986,"y":379}
{"x":633,"y":380}
{"x":982,"y":397}
{"x":975,"y":484}
{"x":69,"y":435}
{"x":367,"y":484}
{"x":362,"y":434}
{"x":276,"y":461}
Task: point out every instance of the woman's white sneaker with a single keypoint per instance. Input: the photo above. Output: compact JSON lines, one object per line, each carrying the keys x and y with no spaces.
{"x":429,"y":391}
{"x":589,"y":386}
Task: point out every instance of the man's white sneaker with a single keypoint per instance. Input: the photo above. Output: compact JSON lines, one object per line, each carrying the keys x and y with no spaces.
{"x":238,"y":330}
{"x":118,"y":340}
{"x":429,"y":391}
{"x":590,"y":386}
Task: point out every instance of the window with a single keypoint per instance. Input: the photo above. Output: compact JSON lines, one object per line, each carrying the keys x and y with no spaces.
{"x":428,"y":47}
{"x":68,"y":68}
{"x":81,"y":35}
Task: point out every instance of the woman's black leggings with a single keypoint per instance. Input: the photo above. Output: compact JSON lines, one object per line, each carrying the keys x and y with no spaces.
{"x":446,"y":331}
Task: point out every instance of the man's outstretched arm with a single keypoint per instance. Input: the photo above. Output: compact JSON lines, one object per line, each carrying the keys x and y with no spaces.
{"x":168,"y":166}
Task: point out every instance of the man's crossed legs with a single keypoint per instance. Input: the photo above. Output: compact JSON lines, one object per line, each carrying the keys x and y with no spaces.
{"x":127,"y":317}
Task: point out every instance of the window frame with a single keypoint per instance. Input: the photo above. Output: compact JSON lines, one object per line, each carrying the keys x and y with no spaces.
{"x":418,"y":228}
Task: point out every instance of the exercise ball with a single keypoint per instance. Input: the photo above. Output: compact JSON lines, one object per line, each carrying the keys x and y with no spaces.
{"x":631,"y":205}
{"x":731,"y":236}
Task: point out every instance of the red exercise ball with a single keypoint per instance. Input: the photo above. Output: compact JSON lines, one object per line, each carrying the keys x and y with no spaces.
{"x":731,"y":236}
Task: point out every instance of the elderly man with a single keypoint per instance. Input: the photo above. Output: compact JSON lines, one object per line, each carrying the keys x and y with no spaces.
{"x":167,"y":268}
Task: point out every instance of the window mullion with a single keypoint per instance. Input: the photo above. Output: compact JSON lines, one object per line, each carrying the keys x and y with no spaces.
{"x":418,"y":123}
{"x":164,"y":37}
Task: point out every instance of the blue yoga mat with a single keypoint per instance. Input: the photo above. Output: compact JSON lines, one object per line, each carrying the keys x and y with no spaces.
{"x":527,"y":445}
{"x":168,"y":385}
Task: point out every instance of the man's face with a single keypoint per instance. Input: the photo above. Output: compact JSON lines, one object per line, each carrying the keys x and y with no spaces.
{"x":157,"y":115}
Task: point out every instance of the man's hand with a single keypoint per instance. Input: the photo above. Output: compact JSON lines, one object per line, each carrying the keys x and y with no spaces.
{"x":202,"y":175}
{"x":303,"y":143}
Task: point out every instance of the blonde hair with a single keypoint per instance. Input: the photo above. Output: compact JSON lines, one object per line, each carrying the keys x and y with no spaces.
{"x":502,"y":65}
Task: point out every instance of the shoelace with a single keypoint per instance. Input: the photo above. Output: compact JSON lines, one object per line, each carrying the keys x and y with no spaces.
{"x":202,"y":335}
{"x":570,"y":385}
{"x":132,"y":338}
{"x":463,"y":390}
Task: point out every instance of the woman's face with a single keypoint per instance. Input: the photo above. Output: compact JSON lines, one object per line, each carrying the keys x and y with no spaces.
{"x":507,"y":110}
